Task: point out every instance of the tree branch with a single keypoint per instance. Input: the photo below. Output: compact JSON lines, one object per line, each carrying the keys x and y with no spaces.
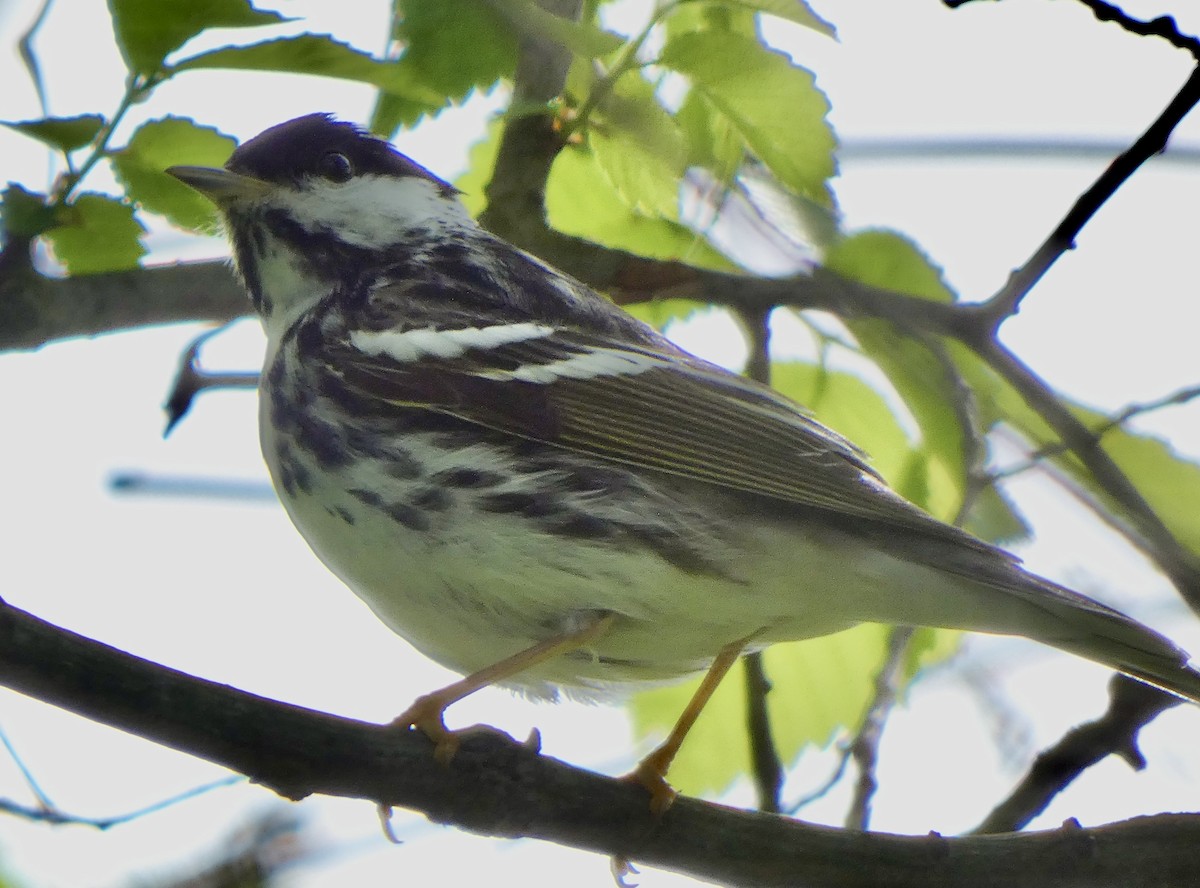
{"x":1152,"y":536}
{"x":865,"y":749}
{"x":766,"y":766}
{"x":36,"y":310}
{"x":1132,"y":705}
{"x":1006,"y":302}
{"x":496,"y":786}
{"x":1163,"y":26}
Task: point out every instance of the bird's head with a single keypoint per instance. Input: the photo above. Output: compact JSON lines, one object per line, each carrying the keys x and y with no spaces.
{"x":314,"y":204}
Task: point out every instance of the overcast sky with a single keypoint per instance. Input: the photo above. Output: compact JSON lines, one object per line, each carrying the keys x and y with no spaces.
{"x":227,"y":589}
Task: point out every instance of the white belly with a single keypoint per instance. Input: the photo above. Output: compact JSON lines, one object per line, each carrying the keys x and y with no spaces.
{"x":476,"y":587}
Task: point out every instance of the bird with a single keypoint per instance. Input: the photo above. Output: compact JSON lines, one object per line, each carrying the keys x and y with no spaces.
{"x":541,"y":492}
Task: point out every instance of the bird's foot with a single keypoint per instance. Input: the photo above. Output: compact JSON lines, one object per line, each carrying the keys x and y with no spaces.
{"x":651,"y":774}
{"x":426,"y":714}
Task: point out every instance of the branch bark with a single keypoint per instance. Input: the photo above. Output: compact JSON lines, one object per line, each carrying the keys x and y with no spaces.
{"x":1132,"y":706}
{"x":36,"y":310}
{"x":495,"y":786}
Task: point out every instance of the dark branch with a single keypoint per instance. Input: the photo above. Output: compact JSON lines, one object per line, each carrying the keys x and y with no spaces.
{"x":1164,"y":26}
{"x":865,"y":748}
{"x":496,"y":786}
{"x":1037,"y":458}
{"x":1006,"y":302}
{"x":36,"y":310}
{"x":192,"y":379}
{"x":1151,"y":534}
{"x":1132,"y":706}
{"x":765,"y":765}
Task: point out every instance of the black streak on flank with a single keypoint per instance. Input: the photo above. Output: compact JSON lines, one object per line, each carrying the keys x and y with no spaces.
{"x":403,"y":513}
{"x":473,"y":479}
{"x":435,"y":499}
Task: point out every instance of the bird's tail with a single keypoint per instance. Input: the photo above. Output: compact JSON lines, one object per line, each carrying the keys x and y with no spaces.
{"x":1089,"y":629}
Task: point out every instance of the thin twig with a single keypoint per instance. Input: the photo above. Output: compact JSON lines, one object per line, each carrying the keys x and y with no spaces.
{"x":1168,"y":553}
{"x":1164,"y":26}
{"x":766,"y":766}
{"x":31,"y":783}
{"x":44,"y":813}
{"x":192,"y":379}
{"x":824,"y":787}
{"x":1007,"y":301}
{"x":1038,"y":458}
{"x":865,"y":748}
{"x":29,"y":56}
{"x":1132,"y":706}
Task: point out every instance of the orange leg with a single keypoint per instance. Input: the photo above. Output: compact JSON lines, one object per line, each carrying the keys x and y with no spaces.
{"x":651,"y":771}
{"x":426,"y":712}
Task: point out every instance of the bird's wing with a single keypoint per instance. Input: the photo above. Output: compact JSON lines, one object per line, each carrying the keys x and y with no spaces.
{"x":637,"y":404}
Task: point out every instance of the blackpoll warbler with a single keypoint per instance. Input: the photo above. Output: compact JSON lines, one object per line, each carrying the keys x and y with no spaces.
{"x":541,"y":492}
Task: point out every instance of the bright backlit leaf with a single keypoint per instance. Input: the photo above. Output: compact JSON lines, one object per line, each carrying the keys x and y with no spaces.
{"x":97,"y":233}
{"x":774,"y":105}
{"x":156,"y":145}
{"x":147,"y":31}
{"x":65,"y":134}
{"x":639,"y":147}
{"x":448,"y":48}
{"x":920,"y":374}
{"x":581,"y":37}
{"x":580,"y":201}
{"x":24,"y":213}
{"x":317,"y":54}
{"x":796,"y":11}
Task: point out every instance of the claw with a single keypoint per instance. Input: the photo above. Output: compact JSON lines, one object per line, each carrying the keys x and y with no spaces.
{"x":426,"y":715}
{"x":622,"y":869}
{"x":651,"y":774}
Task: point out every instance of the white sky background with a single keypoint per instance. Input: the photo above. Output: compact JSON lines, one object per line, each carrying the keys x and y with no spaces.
{"x":229,"y":591}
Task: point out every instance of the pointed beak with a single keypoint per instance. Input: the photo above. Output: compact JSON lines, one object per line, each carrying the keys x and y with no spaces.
{"x":221,"y":186}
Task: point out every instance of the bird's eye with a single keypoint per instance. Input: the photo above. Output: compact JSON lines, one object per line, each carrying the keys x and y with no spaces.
{"x":336,"y":167}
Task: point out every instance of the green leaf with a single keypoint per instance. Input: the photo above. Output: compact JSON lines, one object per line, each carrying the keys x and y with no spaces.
{"x":97,"y":233}
{"x":582,"y":38}
{"x":65,"y":134}
{"x":140,"y":165}
{"x":888,"y":259}
{"x":658,"y":313}
{"x":711,"y":15}
{"x":796,"y":11}
{"x":24,"y":214}
{"x":712,"y":142}
{"x":581,"y":202}
{"x":1170,"y":483}
{"x":774,"y":105}
{"x":851,"y":407}
{"x":450,"y":49}
{"x":639,"y":147}
{"x":820,"y":687}
{"x":993,"y":518}
{"x":481,"y":161}
{"x":921,"y":377}
{"x":149,"y":30}
{"x":928,"y":647}
{"x":317,"y":54}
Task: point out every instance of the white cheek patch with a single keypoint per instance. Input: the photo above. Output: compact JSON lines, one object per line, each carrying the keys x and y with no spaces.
{"x":374,"y":211}
{"x":409,"y":346}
